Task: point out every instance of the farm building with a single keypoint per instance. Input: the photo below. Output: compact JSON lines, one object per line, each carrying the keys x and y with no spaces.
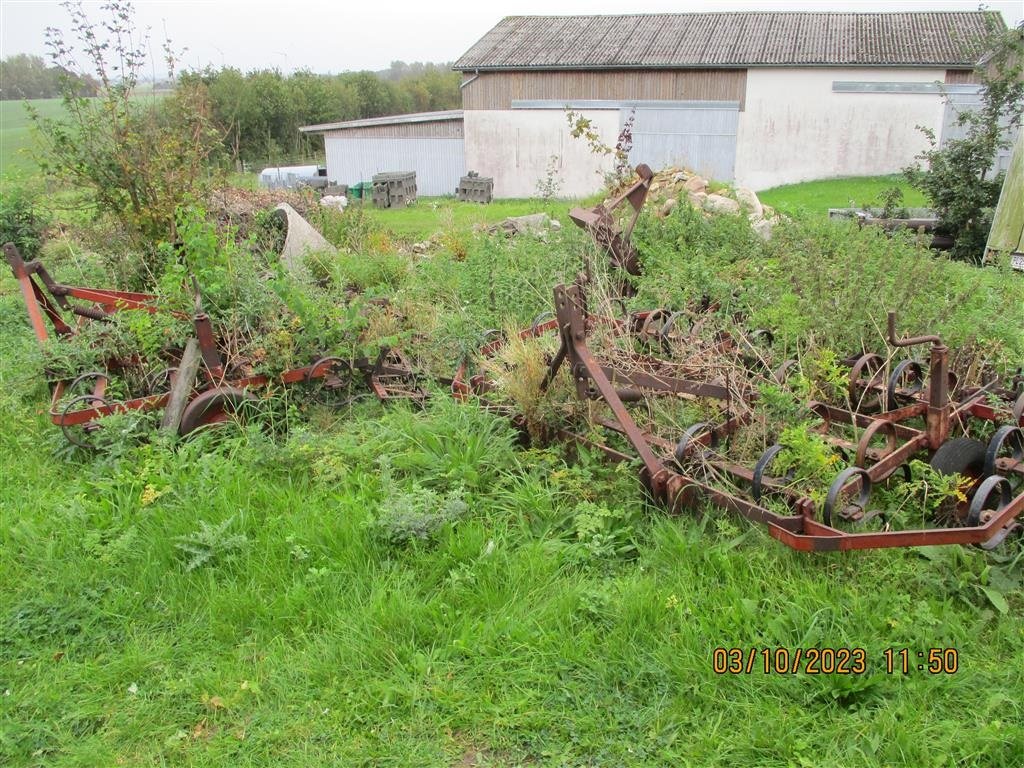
{"x":758,"y":99}
{"x":429,"y":143}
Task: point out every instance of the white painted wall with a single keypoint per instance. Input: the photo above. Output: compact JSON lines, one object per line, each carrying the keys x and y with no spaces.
{"x":794,"y":128}
{"x":515,"y":147}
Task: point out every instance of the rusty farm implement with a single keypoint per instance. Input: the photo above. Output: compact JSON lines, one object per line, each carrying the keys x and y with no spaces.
{"x":208,"y":386}
{"x":889,"y":421}
{"x":621,"y":368}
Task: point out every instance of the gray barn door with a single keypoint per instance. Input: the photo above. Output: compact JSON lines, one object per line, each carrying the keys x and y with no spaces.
{"x":951,"y":129}
{"x":700,"y":135}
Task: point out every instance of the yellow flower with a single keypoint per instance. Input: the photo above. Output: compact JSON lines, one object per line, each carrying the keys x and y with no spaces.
{"x":150,"y":494}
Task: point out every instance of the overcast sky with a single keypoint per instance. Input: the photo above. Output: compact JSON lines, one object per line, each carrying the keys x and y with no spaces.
{"x":339,"y":35}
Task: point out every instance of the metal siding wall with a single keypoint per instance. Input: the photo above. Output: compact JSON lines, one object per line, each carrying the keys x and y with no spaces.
{"x":496,"y":90}
{"x":439,"y":163}
{"x":702,"y":139}
{"x":964,"y":102}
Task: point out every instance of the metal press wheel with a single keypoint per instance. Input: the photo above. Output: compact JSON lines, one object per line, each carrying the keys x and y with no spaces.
{"x":214,"y":407}
{"x":961,"y":456}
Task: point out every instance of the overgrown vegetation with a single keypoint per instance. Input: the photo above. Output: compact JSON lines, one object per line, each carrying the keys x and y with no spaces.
{"x":960,"y":179}
{"x":22,"y":220}
{"x":139,"y":160}
{"x":335,"y":581}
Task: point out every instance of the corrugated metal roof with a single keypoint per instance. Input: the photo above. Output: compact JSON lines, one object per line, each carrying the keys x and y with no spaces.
{"x":756,"y":39}
{"x":416,"y":117}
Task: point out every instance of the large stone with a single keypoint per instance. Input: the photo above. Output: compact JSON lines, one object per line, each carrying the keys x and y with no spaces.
{"x":764,"y":228}
{"x":334,"y":201}
{"x":533,"y":224}
{"x":668,"y":207}
{"x":696,"y":184}
{"x":748,"y":200}
{"x":721,"y":204}
{"x":696,"y":199}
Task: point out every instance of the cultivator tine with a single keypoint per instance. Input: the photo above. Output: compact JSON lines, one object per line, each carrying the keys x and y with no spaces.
{"x":601,"y":224}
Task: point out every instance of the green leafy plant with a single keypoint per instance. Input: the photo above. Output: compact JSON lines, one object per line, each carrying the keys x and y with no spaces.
{"x":892,"y":203}
{"x":21,"y":220}
{"x":139,"y":160}
{"x":548,"y":186}
{"x":604,"y":533}
{"x":418,"y":514}
{"x":211,"y":544}
{"x":807,"y":458}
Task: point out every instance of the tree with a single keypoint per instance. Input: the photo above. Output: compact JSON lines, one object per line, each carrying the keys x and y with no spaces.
{"x":26,"y":76}
{"x":139,"y":158}
{"x":958,"y":178}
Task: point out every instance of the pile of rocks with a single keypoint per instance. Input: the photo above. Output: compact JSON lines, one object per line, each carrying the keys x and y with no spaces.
{"x":671,"y":185}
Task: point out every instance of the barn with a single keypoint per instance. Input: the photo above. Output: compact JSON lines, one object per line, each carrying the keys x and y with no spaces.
{"x":754,"y":98}
{"x":430,"y":143}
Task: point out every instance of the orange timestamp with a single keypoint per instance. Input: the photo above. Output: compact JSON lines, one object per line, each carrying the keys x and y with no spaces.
{"x":831,"y":661}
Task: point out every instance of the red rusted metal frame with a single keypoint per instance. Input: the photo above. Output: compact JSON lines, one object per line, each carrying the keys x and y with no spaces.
{"x":388,"y":376}
{"x":801,"y":530}
{"x":380,"y":376}
{"x":600,"y":223}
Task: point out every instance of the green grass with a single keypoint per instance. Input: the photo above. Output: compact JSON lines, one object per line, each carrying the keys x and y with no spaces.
{"x":16,"y":142}
{"x":517,"y":635}
{"x":851,"y":192}
{"x":434,"y":215}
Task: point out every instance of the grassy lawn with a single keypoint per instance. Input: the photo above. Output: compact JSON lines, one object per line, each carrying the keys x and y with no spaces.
{"x":434,"y":215}
{"x":16,"y":143}
{"x":852,"y":192}
{"x":246,"y":598}
{"x":16,"y":140}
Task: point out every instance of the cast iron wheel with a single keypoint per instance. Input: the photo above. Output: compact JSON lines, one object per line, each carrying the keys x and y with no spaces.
{"x":215,"y":406}
{"x":78,"y":434}
{"x":961,"y":456}
{"x":864,"y":375}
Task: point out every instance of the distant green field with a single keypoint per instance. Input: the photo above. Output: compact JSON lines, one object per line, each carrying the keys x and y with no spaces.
{"x":16,"y":141}
{"x":848,"y":192}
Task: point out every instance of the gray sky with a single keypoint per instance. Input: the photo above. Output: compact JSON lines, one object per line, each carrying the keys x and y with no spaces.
{"x":340,"y":35}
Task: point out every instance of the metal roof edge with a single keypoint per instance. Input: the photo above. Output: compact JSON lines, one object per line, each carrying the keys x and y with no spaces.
{"x":370,"y":122}
{"x":797,"y":65}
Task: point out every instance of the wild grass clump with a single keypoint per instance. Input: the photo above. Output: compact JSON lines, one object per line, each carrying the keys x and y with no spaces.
{"x":518,"y":370}
{"x":831,"y":284}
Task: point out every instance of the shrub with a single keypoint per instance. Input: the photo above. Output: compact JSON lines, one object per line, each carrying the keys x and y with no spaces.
{"x":139,"y":160}
{"x":21,"y":221}
{"x":958,"y":178}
